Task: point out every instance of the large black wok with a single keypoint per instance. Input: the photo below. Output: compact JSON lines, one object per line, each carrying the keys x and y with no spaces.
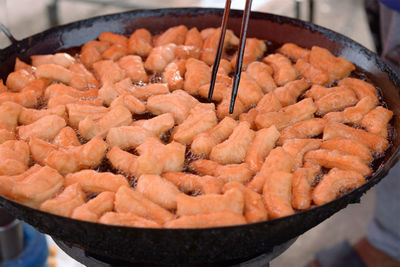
{"x":213,"y":244}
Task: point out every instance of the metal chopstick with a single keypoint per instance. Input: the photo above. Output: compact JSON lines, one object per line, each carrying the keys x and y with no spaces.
{"x":239,"y":59}
{"x":219,"y":49}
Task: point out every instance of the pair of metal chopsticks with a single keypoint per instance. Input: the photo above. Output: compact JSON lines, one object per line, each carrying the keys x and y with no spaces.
{"x":239,"y":59}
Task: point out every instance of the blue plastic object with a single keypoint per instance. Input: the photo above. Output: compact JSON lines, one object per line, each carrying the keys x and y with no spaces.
{"x":35,"y":250}
{"x":393,"y":4}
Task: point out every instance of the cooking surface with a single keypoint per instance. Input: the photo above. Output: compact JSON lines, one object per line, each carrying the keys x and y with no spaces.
{"x":307,"y":244}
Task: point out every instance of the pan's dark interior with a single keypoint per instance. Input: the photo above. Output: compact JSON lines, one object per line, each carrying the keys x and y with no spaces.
{"x":200,"y":245}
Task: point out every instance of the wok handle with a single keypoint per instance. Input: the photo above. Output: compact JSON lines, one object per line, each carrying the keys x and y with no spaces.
{"x":7,"y":33}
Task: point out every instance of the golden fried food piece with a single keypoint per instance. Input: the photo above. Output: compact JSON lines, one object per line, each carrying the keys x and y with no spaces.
{"x":254,"y":210}
{"x":217,"y":219}
{"x":127,"y":219}
{"x":78,"y":112}
{"x":254,"y":50}
{"x":140,"y":42}
{"x":360,"y":88}
{"x":96,"y":182}
{"x":261,"y":73}
{"x":311,"y":73}
{"x":175,"y":35}
{"x":173,"y":75}
{"x":354,"y":114}
{"x":9,"y":115}
{"x":128,"y":200}
{"x":134,"y":135}
{"x":317,"y":92}
{"x":284,"y":71}
{"x":302,"y":188}
{"x":277,"y":160}
{"x":65,"y":202}
{"x":38,"y":187}
{"x":20,"y":65}
{"x":298,"y":147}
{"x":227,"y":173}
{"x":303,"y":129}
{"x":277,"y":192}
{"x":62,"y":59}
{"x":350,"y":147}
{"x":14,"y":157}
{"x":115,"y":52}
{"x":108,"y":71}
{"x":234,"y":149}
{"x":152,"y":89}
{"x":191,"y":183}
{"x":91,"y":52}
{"x":66,"y":99}
{"x":232,"y":201}
{"x":179,"y":103}
{"x":26,"y":98}
{"x":95,"y":208}
{"x":133,"y":104}
{"x":376,"y":121}
{"x":68,"y":159}
{"x":210,"y":44}
{"x":38,"y":86}
{"x":337,"y":159}
{"x":268,"y":103}
{"x":204,"y":142}
{"x":197,"y":74}
{"x":218,"y":93}
{"x":288,"y":115}
{"x":289,"y":93}
{"x":6,"y":135}
{"x":110,"y":91}
{"x":201,"y":118}
{"x":159,"y":57}
{"x":294,"y":51}
{"x":29,"y":115}
{"x":158,"y":190}
{"x":372,"y":141}
{"x":58,"y":73}
{"x":134,"y":68}
{"x":45,"y":128}
{"x":59,"y":89}
{"x":118,"y":116}
{"x":334,"y":183}
{"x":89,"y":80}
{"x":66,"y":137}
{"x":337,"y":67}
{"x":186,"y":52}
{"x":113,"y":38}
{"x":264,"y":141}
{"x":193,"y":38}
{"x":7,"y":182}
{"x":336,"y":101}
{"x":17,"y":80}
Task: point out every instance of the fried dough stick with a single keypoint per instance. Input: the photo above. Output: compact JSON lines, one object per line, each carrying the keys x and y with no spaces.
{"x":284,"y":71}
{"x":264,"y":141}
{"x":127,"y":219}
{"x":374,"y":142}
{"x":302,"y":188}
{"x":64,"y":203}
{"x":38,"y":187}
{"x":78,"y":112}
{"x":95,"y":208}
{"x":336,"y":101}
{"x":334,"y":183}
{"x":17,"y":80}
{"x":191,"y":183}
{"x":234,"y":149}
{"x":254,"y":210}
{"x":29,"y":115}
{"x":262,"y":74}
{"x":277,"y":192}
{"x":159,"y":190}
{"x":140,"y":42}
{"x":62,"y":59}
{"x":232,"y":201}
{"x":217,"y":219}
{"x":134,"y":68}
{"x":231,"y":172}
{"x":294,"y":51}
{"x":254,"y":49}
{"x":360,"y":88}
{"x":9,"y":115}
{"x":175,"y":35}
{"x":128,"y":200}
{"x":311,"y":73}
{"x":7,"y":182}
{"x":337,"y":159}
{"x":68,"y":159}
{"x":160,"y":57}
{"x":14,"y":157}
{"x":210,"y":44}
{"x":350,"y":147}
{"x":303,"y":130}
{"x":376,"y":121}
{"x":204,"y":142}
{"x":132,"y":136}
{"x":277,"y":160}
{"x":289,"y":93}
{"x":298,"y":147}
{"x":45,"y":128}
{"x":197,"y":74}
{"x":91,"y":52}
{"x":96,"y":182}
{"x":59,"y":89}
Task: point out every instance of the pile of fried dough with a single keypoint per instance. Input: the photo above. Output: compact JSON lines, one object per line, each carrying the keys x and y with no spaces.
{"x":302,"y":133}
